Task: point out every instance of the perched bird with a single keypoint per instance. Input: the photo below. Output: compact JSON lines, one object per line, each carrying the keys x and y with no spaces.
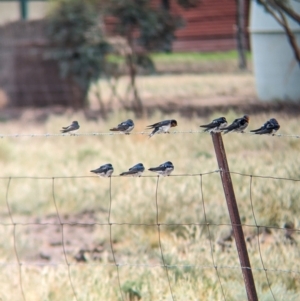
{"x":270,"y":128}
{"x":105,"y":170}
{"x":215,"y":126}
{"x":238,"y":125}
{"x":162,"y":126}
{"x":164,"y":169}
{"x":135,"y":171}
{"x":71,"y":129}
{"x":124,"y":127}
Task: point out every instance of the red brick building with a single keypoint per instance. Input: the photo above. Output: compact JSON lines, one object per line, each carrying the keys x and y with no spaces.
{"x":211,"y":26}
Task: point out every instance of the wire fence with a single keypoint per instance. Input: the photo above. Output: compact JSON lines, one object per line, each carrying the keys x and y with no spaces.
{"x":165,"y":265}
{"x":147,"y":133}
{"x":289,"y":231}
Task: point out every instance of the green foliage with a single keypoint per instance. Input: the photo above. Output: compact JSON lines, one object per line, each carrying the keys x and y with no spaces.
{"x":155,"y":26}
{"x":195,"y":57}
{"x":78,"y":42}
{"x":157,"y":31}
{"x":152,"y":28}
{"x":145,"y":62}
{"x":132,"y":290}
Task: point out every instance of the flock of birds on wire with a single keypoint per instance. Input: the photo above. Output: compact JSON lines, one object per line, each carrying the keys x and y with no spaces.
{"x":216,"y":126}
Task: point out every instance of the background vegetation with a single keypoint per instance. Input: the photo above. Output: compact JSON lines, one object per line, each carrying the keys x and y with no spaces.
{"x":81,"y":44}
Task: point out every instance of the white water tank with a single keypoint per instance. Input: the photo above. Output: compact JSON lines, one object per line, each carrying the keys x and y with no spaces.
{"x":277,"y":73}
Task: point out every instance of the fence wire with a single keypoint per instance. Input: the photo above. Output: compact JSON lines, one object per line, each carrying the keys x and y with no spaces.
{"x":164,"y":264}
{"x":143,"y":133}
{"x":15,"y":241}
{"x":258,"y":242}
{"x":210,"y":238}
{"x":63,"y":240}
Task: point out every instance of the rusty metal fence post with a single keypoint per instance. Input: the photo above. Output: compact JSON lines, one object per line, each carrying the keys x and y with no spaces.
{"x":234,"y":216}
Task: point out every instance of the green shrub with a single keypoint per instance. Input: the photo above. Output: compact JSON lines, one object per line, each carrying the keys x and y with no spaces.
{"x":78,"y":42}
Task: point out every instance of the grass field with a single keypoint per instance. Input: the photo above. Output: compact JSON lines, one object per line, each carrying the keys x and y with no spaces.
{"x":99,"y":214}
{"x":194,"y":62}
{"x":134,"y":235}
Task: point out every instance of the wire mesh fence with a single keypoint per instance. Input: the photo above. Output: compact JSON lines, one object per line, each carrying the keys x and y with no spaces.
{"x":200,"y":230}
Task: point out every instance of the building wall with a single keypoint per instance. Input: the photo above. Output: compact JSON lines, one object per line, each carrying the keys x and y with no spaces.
{"x":211,"y":26}
{"x":27,"y":78}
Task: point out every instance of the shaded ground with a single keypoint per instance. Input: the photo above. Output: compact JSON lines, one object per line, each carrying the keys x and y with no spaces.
{"x":188,"y":109}
{"x":225,"y":104}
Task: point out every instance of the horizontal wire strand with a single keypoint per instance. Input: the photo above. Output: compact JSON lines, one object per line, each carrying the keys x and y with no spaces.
{"x":153,"y":176}
{"x":145,"y":225}
{"x":47,"y":135}
{"x":113,"y":176}
{"x":124,"y":264}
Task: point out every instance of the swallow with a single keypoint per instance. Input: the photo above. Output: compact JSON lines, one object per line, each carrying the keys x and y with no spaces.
{"x":164,"y":169}
{"x":124,"y":127}
{"x":71,"y":129}
{"x":238,"y":125}
{"x":215,"y":126}
{"x":270,"y":128}
{"x":135,"y":171}
{"x":105,"y":170}
{"x":162,"y":126}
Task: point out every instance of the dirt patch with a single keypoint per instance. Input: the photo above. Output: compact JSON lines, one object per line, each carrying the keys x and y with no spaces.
{"x":73,"y":237}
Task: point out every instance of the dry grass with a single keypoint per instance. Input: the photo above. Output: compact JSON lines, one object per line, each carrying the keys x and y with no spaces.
{"x":185,"y":247}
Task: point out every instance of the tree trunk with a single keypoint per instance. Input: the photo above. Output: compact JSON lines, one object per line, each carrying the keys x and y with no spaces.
{"x":137,"y":103}
{"x":165,"y":4}
{"x":240,"y":34}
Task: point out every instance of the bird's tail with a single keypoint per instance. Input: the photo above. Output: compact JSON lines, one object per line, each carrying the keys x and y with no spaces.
{"x":153,"y":132}
{"x":154,"y":169}
{"x":114,"y":129}
{"x":126,"y":173}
